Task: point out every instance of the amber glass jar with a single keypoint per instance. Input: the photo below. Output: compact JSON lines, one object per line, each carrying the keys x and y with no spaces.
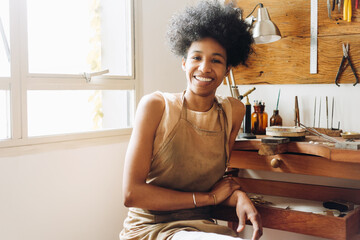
{"x":275,"y":119}
{"x":259,"y":120}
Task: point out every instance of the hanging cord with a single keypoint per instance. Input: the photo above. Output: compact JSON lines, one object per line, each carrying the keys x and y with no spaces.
{"x":261,"y":5}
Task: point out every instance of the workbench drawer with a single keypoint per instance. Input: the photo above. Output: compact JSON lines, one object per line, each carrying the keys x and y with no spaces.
{"x":295,"y":163}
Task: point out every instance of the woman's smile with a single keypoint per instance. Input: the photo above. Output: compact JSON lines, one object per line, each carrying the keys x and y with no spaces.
{"x":203,"y":79}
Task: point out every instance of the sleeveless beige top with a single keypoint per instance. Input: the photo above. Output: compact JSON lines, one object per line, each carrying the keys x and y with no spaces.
{"x":190,"y":154}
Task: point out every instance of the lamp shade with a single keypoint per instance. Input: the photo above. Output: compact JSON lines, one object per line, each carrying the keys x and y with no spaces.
{"x":264,"y":30}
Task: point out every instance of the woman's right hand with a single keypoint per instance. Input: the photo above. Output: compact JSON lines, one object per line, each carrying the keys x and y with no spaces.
{"x":224,"y":188}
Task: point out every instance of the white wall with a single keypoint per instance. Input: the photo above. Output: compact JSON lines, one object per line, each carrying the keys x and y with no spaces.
{"x":64,"y":193}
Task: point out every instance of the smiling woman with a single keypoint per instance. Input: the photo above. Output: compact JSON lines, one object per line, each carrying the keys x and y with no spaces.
{"x":182,"y":141}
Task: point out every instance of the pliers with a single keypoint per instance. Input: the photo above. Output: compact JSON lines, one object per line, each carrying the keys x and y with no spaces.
{"x":345,"y":56}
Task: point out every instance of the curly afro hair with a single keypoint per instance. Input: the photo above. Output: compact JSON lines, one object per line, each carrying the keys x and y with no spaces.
{"x":211,"y":19}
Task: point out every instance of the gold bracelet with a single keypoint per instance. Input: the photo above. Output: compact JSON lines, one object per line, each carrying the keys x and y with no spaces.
{"x":214,"y":196}
{"x":194,"y":200}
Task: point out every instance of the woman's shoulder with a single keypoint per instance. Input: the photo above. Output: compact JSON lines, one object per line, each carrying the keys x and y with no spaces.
{"x":169,"y":99}
{"x":152,"y":101}
{"x":158,"y":103}
{"x":230,"y":103}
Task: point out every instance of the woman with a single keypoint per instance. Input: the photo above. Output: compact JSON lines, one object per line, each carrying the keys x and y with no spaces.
{"x":180,"y":143}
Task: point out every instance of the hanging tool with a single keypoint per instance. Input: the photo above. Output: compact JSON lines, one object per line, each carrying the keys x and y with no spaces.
{"x":356,"y":4}
{"x":339,"y":6}
{"x":347,"y":10}
{"x":329,"y":8}
{"x":341,"y":68}
{"x":313,"y":36}
{"x":333,"y":5}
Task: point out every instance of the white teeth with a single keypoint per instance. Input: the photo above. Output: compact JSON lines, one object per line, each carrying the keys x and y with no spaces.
{"x":202,"y":79}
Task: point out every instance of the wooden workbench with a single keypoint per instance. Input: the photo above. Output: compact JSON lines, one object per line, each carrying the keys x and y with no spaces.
{"x":300,"y":157}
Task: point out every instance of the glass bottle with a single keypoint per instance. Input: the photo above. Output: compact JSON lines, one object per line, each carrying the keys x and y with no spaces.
{"x":275,"y":119}
{"x":259,"y":119}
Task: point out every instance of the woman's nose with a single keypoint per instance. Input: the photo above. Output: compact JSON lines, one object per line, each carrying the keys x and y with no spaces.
{"x":205,"y":66}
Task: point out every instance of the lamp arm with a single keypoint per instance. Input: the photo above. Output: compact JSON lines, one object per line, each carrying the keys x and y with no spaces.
{"x":259,"y":4}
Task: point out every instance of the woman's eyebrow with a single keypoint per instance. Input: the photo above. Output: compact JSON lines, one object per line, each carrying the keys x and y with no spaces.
{"x":214,"y":54}
{"x":219,"y":54}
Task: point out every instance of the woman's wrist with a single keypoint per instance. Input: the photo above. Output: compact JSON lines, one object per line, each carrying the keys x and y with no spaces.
{"x":202,"y":199}
{"x":234,"y":198}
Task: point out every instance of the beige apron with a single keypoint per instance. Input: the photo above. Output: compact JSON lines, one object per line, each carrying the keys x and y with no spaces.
{"x":190,"y":160}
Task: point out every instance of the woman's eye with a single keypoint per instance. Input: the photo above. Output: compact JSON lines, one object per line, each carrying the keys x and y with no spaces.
{"x":196,"y":58}
{"x":216,"y":61}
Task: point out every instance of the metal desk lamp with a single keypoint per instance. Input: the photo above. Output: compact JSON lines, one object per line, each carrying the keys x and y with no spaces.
{"x":263,"y":30}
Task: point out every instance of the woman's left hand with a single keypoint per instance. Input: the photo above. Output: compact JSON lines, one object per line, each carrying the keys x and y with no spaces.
{"x":245,"y":210}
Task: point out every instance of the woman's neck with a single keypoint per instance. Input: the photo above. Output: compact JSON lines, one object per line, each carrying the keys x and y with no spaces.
{"x":199,"y":103}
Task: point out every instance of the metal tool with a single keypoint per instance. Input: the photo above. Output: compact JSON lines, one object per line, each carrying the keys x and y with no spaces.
{"x":319,"y":112}
{"x":234,"y":89}
{"x":247,"y":93}
{"x":314,"y":112}
{"x":316,"y":133}
{"x":339,"y":6}
{"x":313,"y":36}
{"x":329,"y":8}
{"x":327,"y":113}
{"x":333,"y":5}
{"x":332,"y":113}
{"x":341,"y":68}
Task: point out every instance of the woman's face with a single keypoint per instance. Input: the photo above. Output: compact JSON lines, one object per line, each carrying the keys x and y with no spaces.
{"x":205,"y":66}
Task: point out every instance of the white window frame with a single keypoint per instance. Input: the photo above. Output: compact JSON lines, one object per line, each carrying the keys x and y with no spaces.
{"x":21,"y":81}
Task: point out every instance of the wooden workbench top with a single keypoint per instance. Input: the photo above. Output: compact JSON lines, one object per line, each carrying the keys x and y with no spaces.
{"x":309,"y":145}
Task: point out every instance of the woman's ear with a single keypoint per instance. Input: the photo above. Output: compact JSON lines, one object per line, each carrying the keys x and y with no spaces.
{"x":183,"y":63}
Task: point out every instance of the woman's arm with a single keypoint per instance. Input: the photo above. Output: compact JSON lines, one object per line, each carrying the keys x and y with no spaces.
{"x":245,"y":209}
{"x":137,"y":193}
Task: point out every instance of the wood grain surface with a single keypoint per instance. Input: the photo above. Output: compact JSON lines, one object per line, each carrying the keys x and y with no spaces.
{"x":288,"y":61}
{"x":298,"y":164}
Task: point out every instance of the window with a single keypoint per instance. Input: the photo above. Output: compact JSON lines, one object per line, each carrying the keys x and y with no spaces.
{"x":66,"y":67}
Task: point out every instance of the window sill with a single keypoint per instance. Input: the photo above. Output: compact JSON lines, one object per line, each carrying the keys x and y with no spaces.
{"x":16,"y":147}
